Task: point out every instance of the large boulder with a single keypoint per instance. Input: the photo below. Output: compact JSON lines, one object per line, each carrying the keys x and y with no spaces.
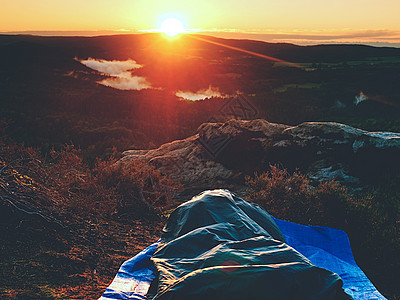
{"x":222,"y":152}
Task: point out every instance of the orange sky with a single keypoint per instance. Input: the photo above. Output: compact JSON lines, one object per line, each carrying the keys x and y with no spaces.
{"x":334,"y":20}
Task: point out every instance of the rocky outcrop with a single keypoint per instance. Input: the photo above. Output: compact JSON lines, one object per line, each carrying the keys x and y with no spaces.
{"x":183,"y":160}
{"x":221,"y":152}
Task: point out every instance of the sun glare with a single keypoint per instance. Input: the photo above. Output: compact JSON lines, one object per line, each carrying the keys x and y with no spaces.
{"x":172,"y":27}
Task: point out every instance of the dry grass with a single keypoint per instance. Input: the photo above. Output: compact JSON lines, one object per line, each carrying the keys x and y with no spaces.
{"x":65,"y":228}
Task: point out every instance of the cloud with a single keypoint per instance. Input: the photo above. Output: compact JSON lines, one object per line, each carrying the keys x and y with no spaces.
{"x":200,"y":95}
{"x":120,"y":72}
{"x":303,"y":37}
{"x":70,"y":32}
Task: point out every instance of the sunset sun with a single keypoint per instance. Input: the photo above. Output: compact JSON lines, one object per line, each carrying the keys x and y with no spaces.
{"x":172,"y":27}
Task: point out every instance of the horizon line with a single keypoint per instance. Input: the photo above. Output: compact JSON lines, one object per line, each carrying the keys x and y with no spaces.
{"x":376,"y":38}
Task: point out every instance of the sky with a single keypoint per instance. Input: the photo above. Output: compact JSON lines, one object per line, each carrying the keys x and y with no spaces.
{"x":298,"y":21}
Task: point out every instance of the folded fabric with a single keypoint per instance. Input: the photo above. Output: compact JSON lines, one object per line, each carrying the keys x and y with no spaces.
{"x":219,"y":246}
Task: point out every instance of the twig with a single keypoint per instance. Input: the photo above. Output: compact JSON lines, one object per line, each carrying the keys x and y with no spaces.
{"x":18,"y":159}
{"x":46,"y":218}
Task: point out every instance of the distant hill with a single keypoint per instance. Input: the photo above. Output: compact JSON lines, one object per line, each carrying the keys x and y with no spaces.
{"x":50,"y":98}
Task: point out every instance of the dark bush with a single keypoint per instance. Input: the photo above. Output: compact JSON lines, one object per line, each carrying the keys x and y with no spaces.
{"x":292,"y":197}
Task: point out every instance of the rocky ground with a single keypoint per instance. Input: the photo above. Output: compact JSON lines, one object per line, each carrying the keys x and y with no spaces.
{"x":48,"y":252}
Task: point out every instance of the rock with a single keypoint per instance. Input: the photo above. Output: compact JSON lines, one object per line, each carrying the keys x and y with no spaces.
{"x":221,"y":152}
{"x":182,"y":160}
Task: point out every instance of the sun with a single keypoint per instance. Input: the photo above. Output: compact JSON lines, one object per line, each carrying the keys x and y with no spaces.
{"x":172,"y":27}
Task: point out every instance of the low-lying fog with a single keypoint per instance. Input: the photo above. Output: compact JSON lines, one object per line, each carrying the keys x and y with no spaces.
{"x":120,"y":72}
{"x":121,"y":76}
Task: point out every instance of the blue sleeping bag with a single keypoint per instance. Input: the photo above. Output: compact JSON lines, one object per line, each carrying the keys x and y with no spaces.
{"x":219,"y":246}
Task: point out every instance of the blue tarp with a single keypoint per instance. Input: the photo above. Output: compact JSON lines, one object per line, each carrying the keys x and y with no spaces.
{"x":330,"y":249}
{"x":325,"y":247}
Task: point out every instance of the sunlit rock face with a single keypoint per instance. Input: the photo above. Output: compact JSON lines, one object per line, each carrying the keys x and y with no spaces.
{"x":223,"y":152}
{"x":183,"y":160}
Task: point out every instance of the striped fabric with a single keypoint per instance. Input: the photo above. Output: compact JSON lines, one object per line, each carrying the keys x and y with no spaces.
{"x":133,"y":278}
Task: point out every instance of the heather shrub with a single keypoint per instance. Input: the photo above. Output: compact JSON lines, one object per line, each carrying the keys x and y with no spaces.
{"x":61,"y":182}
{"x":292,"y":197}
{"x":374,"y":222}
{"x":134,"y":187}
